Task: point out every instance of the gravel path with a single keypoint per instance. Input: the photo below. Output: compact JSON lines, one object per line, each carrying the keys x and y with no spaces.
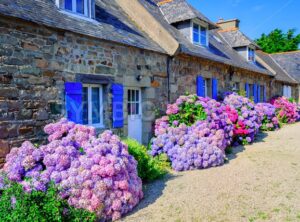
{"x":260,"y":182}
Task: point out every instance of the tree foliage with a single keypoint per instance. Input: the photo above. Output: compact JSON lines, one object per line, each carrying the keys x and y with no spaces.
{"x":278,"y":41}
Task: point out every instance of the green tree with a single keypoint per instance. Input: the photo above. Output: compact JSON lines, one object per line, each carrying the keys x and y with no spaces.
{"x":278,"y":41}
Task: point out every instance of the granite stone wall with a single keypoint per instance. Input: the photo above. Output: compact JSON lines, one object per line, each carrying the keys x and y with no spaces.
{"x":36,"y":61}
{"x":185,"y":69}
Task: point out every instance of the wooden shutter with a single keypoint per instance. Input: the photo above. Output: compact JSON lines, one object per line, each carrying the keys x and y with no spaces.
{"x":247,"y":90}
{"x":215,"y":89}
{"x":258,"y":94}
{"x":255,"y":93}
{"x":73,"y":96}
{"x":200,"y":86}
{"x":117,"y":105}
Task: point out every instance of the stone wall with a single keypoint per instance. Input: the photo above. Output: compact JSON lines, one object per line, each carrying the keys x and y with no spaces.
{"x":277,"y":88}
{"x":185,"y":69}
{"x":36,"y":61}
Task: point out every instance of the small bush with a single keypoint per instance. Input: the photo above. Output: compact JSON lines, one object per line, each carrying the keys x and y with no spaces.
{"x":17,"y":205}
{"x":149,"y":168}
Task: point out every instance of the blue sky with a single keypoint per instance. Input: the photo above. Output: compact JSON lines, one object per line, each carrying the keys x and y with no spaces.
{"x":257,"y":16}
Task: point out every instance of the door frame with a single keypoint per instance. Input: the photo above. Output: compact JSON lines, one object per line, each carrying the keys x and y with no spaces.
{"x":139,"y":89}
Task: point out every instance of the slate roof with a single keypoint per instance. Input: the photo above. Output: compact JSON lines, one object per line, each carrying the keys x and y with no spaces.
{"x":290,"y":62}
{"x":218,"y":50}
{"x":112,"y":23}
{"x":281,"y":74}
{"x":235,"y":38}
{"x":179,"y":10}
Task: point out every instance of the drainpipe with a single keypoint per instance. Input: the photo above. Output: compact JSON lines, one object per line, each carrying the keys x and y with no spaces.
{"x":169,"y":59}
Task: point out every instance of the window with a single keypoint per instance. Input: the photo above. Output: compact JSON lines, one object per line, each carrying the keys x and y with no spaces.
{"x":81,"y":7}
{"x":235,"y":86}
{"x":287,"y":91}
{"x":262,"y":93}
{"x":134,"y":99}
{"x":251,"y":54}
{"x":207,"y":87}
{"x":251,"y":91}
{"x":92,"y":101}
{"x":200,"y":35}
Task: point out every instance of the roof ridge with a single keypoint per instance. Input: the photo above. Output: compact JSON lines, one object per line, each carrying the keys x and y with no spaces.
{"x":289,"y":52}
{"x":164,"y":2}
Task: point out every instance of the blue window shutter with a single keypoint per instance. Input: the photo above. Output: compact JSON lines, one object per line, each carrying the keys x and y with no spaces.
{"x":200,"y":86}
{"x":258,"y":93}
{"x":73,"y":96}
{"x":215,"y":89}
{"x":255,"y":92}
{"x":117,"y":103}
{"x":247,"y":90}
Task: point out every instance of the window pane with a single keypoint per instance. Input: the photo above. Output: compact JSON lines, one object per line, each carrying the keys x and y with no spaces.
{"x":129,"y":108}
{"x":137,"y":108}
{"x":196,"y":28}
{"x":68,"y":5}
{"x":80,"y":6}
{"x":196,"y":34}
{"x":203,"y":36}
{"x":132,"y":96}
{"x":196,"y":38}
{"x":128,"y":95}
{"x":133,"y":109}
{"x":85,"y":108}
{"x":95,"y":105}
{"x":137,"y":96}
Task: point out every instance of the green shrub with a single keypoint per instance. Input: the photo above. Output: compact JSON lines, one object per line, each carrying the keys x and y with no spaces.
{"x":149,"y":168}
{"x":188,"y":111}
{"x":17,"y":205}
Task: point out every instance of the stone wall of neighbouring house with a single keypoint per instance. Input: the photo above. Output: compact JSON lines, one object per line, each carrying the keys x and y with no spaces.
{"x":36,"y":61}
{"x":277,"y":88}
{"x":185,"y":69}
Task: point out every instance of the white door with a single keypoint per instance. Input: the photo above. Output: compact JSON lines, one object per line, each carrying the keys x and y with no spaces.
{"x":134,"y":109}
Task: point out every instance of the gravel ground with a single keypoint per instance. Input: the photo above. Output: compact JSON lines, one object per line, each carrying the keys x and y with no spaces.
{"x":260,"y":182}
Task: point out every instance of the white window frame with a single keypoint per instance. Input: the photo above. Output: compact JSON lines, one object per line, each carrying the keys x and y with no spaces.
{"x":200,"y":24}
{"x":87,"y":8}
{"x":90,"y":117}
{"x":248,"y":50}
{"x":133,"y":102}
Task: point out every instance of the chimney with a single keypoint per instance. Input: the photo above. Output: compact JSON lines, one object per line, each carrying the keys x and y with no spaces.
{"x":231,"y":24}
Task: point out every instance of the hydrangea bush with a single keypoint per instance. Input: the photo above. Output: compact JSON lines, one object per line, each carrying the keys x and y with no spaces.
{"x":92,"y":173}
{"x":191,"y":139}
{"x":190,"y":147}
{"x":267,"y":115}
{"x":244,"y":117}
{"x":287,"y":111}
{"x":208,"y":109}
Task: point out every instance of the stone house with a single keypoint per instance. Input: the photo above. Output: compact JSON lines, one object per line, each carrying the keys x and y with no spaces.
{"x":290,"y":64}
{"x":282,"y":65}
{"x":284,"y":83}
{"x":110,"y":64}
{"x":204,"y":58}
